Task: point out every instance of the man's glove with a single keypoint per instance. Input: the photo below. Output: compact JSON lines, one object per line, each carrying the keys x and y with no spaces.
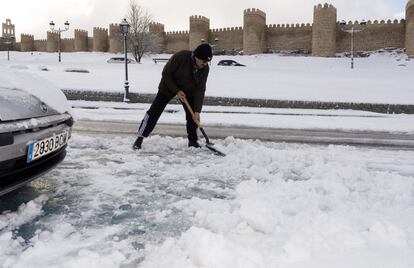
{"x":181,"y":95}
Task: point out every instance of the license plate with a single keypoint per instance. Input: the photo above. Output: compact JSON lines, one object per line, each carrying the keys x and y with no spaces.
{"x":46,"y":146}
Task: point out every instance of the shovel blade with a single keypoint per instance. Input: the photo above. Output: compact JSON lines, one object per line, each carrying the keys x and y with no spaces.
{"x":216,"y":152}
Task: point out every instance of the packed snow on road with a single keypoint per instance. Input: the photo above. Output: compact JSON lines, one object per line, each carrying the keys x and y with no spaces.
{"x":263,"y":205}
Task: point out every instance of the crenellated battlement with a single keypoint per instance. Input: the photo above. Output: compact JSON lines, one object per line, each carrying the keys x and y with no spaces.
{"x":114,"y":30}
{"x":199,"y":18}
{"x":324,"y":7}
{"x":52,"y":34}
{"x":376,"y":22}
{"x":289,"y":26}
{"x":228,"y":29}
{"x":80,"y":31}
{"x":100,"y":30}
{"x":254,"y":11}
{"x":26,"y":36}
{"x":156,"y":24}
{"x":156,"y":27}
{"x":177,"y":33}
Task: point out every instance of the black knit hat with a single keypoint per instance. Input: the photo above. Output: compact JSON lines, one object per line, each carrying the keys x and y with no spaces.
{"x":204,"y":52}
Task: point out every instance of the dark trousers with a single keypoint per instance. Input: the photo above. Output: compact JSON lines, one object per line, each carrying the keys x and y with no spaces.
{"x":155,"y":111}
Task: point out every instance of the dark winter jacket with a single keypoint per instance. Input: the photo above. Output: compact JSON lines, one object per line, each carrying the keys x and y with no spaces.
{"x":181,"y":73}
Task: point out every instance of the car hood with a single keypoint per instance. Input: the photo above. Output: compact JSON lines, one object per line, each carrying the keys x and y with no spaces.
{"x":16,"y":104}
{"x":24,"y":96}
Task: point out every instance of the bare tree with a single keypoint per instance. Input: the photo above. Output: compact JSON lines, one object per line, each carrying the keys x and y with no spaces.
{"x":141,"y":41}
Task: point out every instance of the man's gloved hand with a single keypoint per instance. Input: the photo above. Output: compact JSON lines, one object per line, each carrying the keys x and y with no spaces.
{"x":181,"y":95}
{"x":196,"y":118}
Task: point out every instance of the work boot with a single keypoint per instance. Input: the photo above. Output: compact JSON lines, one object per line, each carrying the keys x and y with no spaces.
{"x":193,"y":144}
{"x":137,"y":143}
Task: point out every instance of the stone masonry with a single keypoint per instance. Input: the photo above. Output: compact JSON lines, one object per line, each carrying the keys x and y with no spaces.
{"x":409,"y":30}
{"x":324,"y":31}
{"x":199,"y":30}
{"x":81,"y":40}
{"x":323,"y":38}
{"x":254,"y":31}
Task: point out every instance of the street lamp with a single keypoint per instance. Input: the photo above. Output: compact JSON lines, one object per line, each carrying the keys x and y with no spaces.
{"x":124,"y":26}
{"x":59,"y":31}
{"x":352,"y":31}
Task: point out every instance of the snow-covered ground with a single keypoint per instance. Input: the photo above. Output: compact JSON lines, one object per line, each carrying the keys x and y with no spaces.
{"x":347,"y":120}
{"x":263,"y":205}
{"x":381,"y":78}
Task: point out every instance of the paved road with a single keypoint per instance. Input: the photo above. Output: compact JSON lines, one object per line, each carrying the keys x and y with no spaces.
{"x":361,"y":138}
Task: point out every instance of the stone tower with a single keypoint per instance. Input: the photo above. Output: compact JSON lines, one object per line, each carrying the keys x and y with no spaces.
{"x":100,"y":39}
{"x":52,"y":42}
{"x":26,"y":42}
{"x":199,"y":30}
{"x":8,"y":29}
{"x":81,"y":40}
{"x":116,"y":44}
{"x":254,"y":31}
{"x":159,"y":30}
{"x":409,"y":28}
{"x":324,"y":31}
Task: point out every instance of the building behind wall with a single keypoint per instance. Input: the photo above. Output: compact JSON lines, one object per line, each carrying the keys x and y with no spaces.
{"x":8,"y":34}
{"x":323,"y":38}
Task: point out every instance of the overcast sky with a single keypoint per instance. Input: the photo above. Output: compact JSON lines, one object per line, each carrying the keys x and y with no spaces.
{"x":33,"y":16}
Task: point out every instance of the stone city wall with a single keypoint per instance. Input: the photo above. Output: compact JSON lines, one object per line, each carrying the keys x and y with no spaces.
{"x":81,"y":40}
{"x":26,"y":42}
{"x":228,"y":39}
{"x":40,"y":45}
{"x":176,"y":41}
{"x":289,"y":37}
{"x":52,"y":42}
{"x":375,"y":35}
{"x":116,"y":44}
{"x":324,"y":37}
{"x":409,"y":30}
{"x":100,"y":39}
{"x":68,"y":45}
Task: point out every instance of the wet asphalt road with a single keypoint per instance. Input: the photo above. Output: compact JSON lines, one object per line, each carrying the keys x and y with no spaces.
{"x":311,"y":136}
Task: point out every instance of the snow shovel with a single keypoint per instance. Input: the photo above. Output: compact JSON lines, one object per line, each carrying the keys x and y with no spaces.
{"x":209,"y":144}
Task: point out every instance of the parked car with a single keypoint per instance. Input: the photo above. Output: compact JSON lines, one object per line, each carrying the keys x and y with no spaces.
{"x":229,"y":63}
{"x":35,"y":125}
{"x":119,"y":60}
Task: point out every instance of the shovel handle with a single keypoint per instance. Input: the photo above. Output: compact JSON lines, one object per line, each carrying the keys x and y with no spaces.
{"x":184,"y":100}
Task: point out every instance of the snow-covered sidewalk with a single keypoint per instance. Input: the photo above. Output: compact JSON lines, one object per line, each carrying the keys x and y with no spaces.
{"x":345,"y":120}
{"x":263,"y":205}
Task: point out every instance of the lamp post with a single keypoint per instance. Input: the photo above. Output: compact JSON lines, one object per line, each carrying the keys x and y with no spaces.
{"x":124,"y":26}
{"x":59,"y":31}
{"x":352,"y":31}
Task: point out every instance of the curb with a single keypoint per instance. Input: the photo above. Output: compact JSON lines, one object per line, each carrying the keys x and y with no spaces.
{"x":91,"y":95}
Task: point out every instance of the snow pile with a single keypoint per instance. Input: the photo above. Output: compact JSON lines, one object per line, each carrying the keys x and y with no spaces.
{"x":263,"y":205}
{"x":306,"y":207}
